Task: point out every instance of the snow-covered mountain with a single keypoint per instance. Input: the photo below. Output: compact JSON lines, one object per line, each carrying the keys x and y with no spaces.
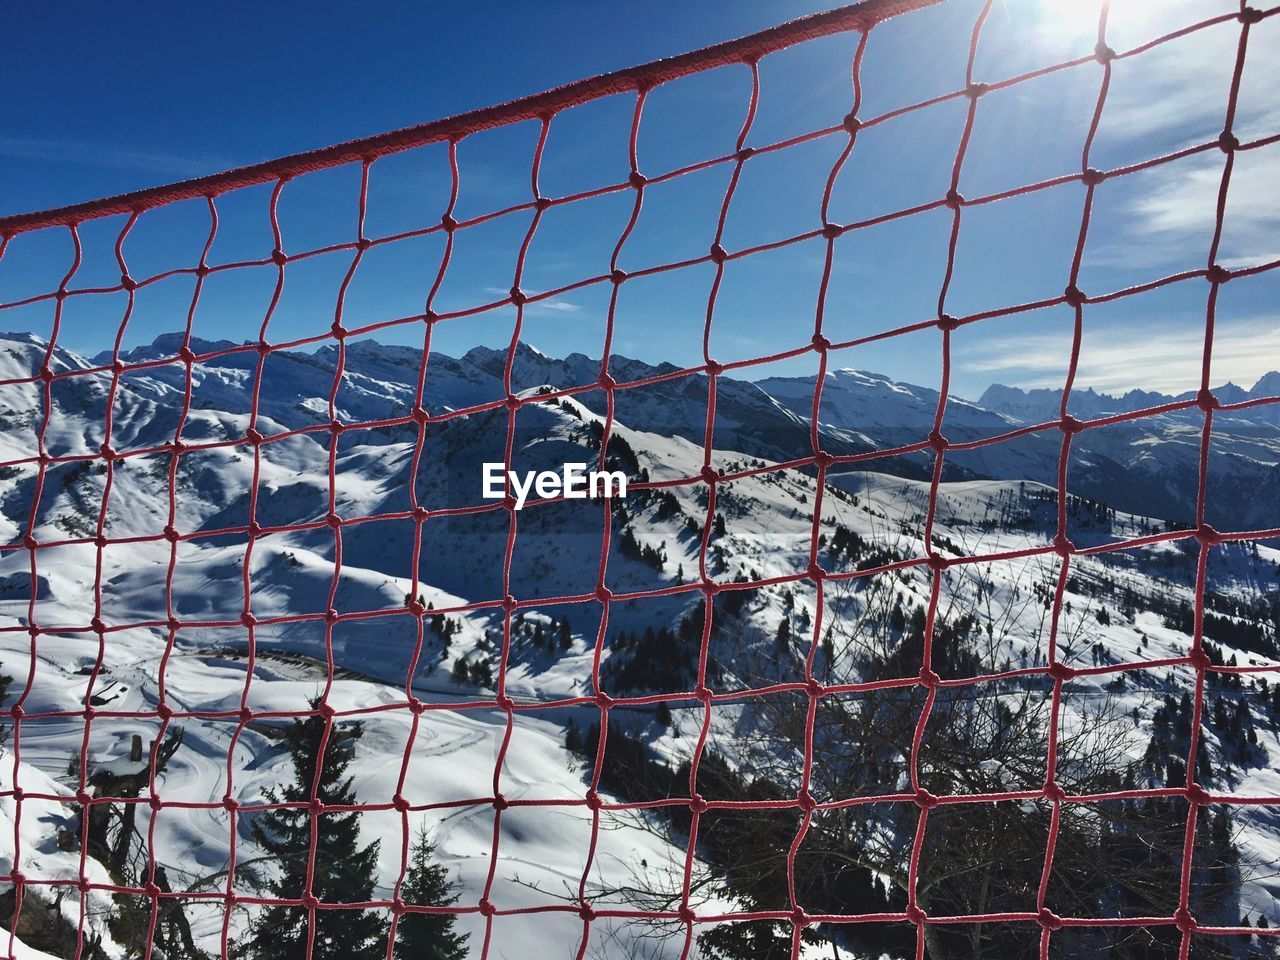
{"x":1120,"y":607}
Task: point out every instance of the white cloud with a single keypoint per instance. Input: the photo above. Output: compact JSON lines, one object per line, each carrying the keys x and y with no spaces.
{"x":1144,"y":356}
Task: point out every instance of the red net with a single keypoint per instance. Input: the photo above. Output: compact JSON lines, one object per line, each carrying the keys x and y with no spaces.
{"x":858,"y":20}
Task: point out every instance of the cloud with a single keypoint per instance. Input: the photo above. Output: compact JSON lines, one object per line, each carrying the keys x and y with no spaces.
{"x":60,"y":150}
{"x":1143,"y":356}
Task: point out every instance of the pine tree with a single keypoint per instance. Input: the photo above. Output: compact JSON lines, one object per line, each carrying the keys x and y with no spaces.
{"x":427,"y":936}
{"x":344,"y":872}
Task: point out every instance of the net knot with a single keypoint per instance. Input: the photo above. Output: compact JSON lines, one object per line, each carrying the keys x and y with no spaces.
{"x":310,"y":901}
{"x":186,"y":354}
{"x":202,"y":270}
{"x":806,"y":801}
{"x":937,"y":442}
{"x":416,"y":706}
{"x":710,"y":587}
{"x":100,"y":541}
{"x":84,"y":885}
{"x":708,"y":474}
{"x":820,"y":342}
{"x":449,"y":223}
{"x":331,"y":616}
{"x":174,"y":624}
{"x":18,"y":793}
{"x":264,"y":348}
{"x":16,"y":877}
{"x":1198,"y":659}
{"x":315,"y":806}
{"x":975,"y":90}
{"x":713,"y":368}
{"x":1048,"y":920}
{"x":244,"y":716}
{"x":1207,"y":536}
{"x":519,"y":297}
{"x":1053,"y":792}
{"x":279,"y":257}
{"x":230,"y":804}
{"x":593,"y":800}
{"x":915,"y":915}
{"x":34,"y":632}
{"x":421,"y":514}
{"x":486,"y":908}
{"x":153,"y":801}
{"x":851,"y":124}
{"x":1228,"y":142}
{"x":799,"y":918}
{"x":929,"y":678}
{"x":30,"y":542}
{"x":177,"y":446}
{"x":618,"y":276}
{"x":97,"y":626}
{"x":398,"y":907}
{"x":512,"y":402}
{"x":953,"y":199}
{"x":164,"y":712}
{"x":1059,"y":672}
{"x":231,"y":898}
{"x":333,"y":520}
{"x":746,"y":153}
{"x":254,"y":529}
{"x":542,"y":203}
{"x":83,"y":798}
{"x":45,"y":374}
{"x":603,"y":593}
{"x":703,"y":694}
{"x":637,"y":180}
{"x":326,"y":710}
{"x":718,"y":254}
{"x":336,"y":429}
{"x":603,"y":700}
{"x":1217,"y":274}
{"x":937,"y":562}
{"x":248,"y":619}
{"x":108,"y":453}
{"x":504,"y":703}
{"x":1250,"y":15}
{"x":1091,"y":177}
{"x":1102,"y":53}
{"x":1063,"y":546}
{"x":1074,"y":296}
{"x":814,"y":688}
{"x":1205,"y":400}
{"x":925,"y":800}
{"x":363,"y":244}
{"x":338,"y":330}
{"x":815,"y":572}
{"x":1198,"y":796}
{"x":946,"y":322}
{"x":420,"y":416}
{"x":1184,"y":921}
{"x":1070,"y":425}
{"x":509,"y":604}
{"x":697,"y":805}
{"x":128,"y":282}
{"x":416,"y":607}
{"x":586,"y":913}
{"x":822,"y":460}
{"x":253,"y":436}
{"x":686,"y":914}
{"x":500,"y":802}
{"x":606,"y":381}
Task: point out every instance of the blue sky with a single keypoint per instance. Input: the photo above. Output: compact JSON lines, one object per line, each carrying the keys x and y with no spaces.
{"x":110,"y":100}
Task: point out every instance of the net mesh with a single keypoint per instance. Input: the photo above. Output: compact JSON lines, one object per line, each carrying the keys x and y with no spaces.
{"x":860,"y":21}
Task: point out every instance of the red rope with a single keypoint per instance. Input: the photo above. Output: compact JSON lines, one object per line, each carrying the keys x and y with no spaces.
{"x":545,"y":108}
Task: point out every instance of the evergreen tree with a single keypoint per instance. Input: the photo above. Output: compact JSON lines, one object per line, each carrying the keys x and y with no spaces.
{"x":427,"y":936}
{"x":344,"y":872}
